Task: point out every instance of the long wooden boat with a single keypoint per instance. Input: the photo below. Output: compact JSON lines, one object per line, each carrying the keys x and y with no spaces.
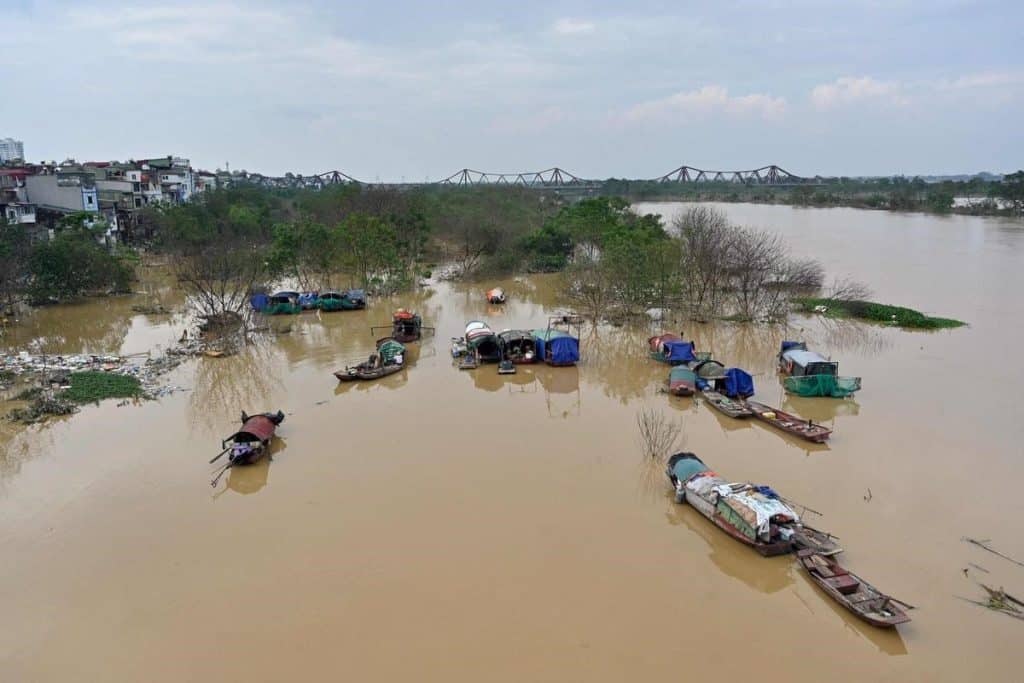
{"x":789,"y":423}
{"x":851,"y":591}
{"x":250,"y":443}
{"x":753,"y":515}
{"x":389,"y":359}
{"x":364,"y":371}
{"x":726,"y":405}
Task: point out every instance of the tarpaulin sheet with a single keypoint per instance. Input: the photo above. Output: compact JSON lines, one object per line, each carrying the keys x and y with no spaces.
{"x":737,"y":383}
{"x":679,"y":351}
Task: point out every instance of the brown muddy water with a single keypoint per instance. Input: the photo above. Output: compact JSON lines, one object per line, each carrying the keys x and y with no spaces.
{"x":460,"y":526}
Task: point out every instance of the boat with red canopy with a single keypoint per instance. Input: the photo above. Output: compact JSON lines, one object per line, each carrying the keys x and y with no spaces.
{"x":250,"y":442}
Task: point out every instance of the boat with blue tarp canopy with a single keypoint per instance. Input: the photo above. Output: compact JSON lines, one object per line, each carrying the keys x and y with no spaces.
{"x":557,"y":347}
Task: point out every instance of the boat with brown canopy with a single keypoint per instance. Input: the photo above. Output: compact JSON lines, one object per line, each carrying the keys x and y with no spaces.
{"x":250,"y":442}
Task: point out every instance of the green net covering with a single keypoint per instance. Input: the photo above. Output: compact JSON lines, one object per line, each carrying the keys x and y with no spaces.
{"x":389,"y":349}
{"x":822,"y":385}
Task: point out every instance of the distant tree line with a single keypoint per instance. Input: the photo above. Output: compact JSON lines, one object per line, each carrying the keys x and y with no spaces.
{"x":896,"y":193}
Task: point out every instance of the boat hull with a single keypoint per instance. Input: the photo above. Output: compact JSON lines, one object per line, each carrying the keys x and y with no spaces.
{"x":864,"y":600}
{"x":365,"y":375}
{"x":727,"y":406}
{"x":789,"y":423}
{"x":707,"y":510}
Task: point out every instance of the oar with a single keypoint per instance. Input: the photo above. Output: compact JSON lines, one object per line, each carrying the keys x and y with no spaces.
{"x":221,"y":473}
{"x":899,"y":602}
{"x":219,"y":455}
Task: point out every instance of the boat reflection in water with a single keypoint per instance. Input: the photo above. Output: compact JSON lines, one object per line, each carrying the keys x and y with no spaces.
{"x":561,"y":385}
{"x":248,"y":479}
{"x":887,"y":640}
{"x":763,"y":574}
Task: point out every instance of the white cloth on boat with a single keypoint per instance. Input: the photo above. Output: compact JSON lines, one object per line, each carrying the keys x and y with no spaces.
{"x":763,"y":507}
{"x":704,"y":484}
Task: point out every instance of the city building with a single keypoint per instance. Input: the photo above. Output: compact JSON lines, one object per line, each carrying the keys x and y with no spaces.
{"x":11,"y":149}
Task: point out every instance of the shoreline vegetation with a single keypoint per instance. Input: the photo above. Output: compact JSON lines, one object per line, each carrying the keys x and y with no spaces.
{"x":976,"y":196}
{"x":871,"y":311}
{"x":616,"y":264}
{"x":88,"y":386}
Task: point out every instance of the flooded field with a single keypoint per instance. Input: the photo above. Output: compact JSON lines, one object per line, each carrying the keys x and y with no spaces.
{"x":441,"y":525}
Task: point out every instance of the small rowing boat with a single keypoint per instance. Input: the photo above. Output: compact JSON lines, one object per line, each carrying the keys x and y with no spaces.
{"x":787,"y":422}
{"x":852,"y":592}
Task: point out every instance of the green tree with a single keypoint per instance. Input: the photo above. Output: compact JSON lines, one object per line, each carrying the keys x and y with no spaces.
{"x":1011,"y":189}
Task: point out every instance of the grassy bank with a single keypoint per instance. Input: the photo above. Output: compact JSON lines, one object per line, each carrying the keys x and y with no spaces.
{"x":90,"y":386}
{"x":875,"y":312}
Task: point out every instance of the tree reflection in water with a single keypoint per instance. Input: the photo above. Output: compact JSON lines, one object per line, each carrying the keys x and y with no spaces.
{"x":224,"y":387}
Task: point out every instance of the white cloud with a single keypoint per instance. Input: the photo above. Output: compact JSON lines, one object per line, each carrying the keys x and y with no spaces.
{"x":573,"y":27}
{"x":711,"y":99}
{"x":849,"y":89}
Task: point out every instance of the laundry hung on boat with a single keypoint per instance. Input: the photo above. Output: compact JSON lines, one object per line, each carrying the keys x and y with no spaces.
{"x":753,"y":514}
{"x":811,"y":374}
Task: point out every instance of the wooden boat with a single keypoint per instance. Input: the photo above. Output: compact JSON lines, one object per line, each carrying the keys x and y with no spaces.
{"x":726,"y":405}
{"x":518,"y":346}
{"x":349,"y":300}
{"x":851,"y":591}
{"x":695,"y":484}
{"x":682,"y":381}
{"x":506,"y":367}
{"x":496,"y":296}
{"x":250,"y":442}
{"x":389,"y":359}
{"x":732,"y":506}
{"x":789,"y":423}
{"x":406,"y":326}
{"x":367,"y":370}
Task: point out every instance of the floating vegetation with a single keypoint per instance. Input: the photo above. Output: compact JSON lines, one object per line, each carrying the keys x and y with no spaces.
{"x":875,"y":312}
{"x":91,"y":386}
{"x":1001,"y":601}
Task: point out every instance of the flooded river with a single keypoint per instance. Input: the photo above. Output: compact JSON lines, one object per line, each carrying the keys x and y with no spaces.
{"x":449,"y":526}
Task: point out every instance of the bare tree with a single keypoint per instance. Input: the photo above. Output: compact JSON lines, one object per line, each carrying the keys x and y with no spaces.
{"x":706,"y":238}
{"x":658,"y":434}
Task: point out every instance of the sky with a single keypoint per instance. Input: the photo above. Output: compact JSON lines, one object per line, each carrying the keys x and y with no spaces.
{"x":415,"y":91}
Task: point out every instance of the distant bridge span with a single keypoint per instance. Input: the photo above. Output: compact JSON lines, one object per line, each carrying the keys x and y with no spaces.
{"x":550,"y":178}
{"x":766,"y":175}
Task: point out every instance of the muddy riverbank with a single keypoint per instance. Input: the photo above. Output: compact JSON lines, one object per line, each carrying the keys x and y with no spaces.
{"x":462,"y":526}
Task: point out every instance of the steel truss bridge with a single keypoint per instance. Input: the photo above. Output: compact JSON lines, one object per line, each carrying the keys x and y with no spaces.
{"x":766,"y":175}
{"x":552,"y":178}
